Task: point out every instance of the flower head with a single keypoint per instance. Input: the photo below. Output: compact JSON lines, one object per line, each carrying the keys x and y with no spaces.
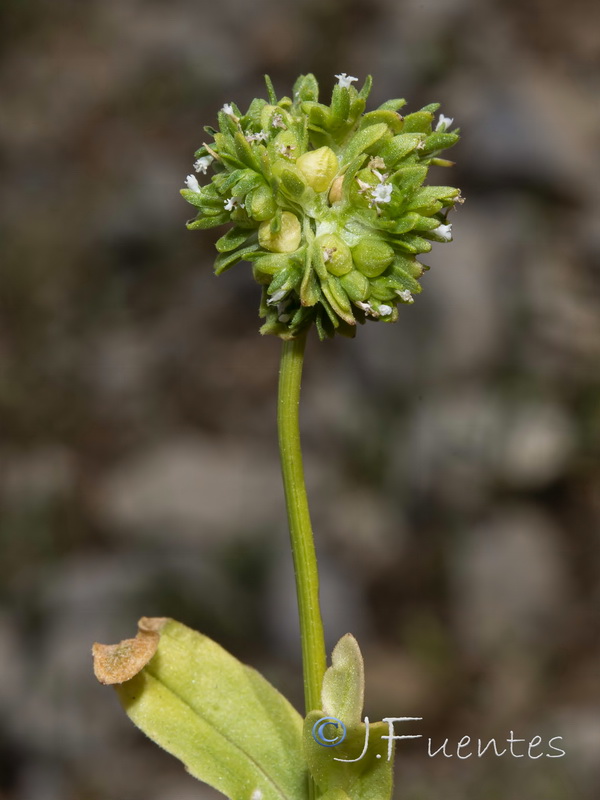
{"x":444,"y":232}
{"x":192,"y":183}
{"x":232,"y":203}
{"x":345,"y":80}
{"x":331,"y":210}
{"x":382,"y":193}
{"x":203,"y":163}
{"x":405,"y":295}
{"x":444,"y":123}
{"x":261,"y":136}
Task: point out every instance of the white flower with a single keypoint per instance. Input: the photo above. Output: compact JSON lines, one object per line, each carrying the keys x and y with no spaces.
{"x":285,"y":150}
{"x":405,"y":295}
{"x":382,"y":193}
{"x":345,"y":80}
{"x":192,"y":183}
{"x":381,"y":176}
{"x":277,"y":121}
{"x":228,"y":109}
{"x":366,"y":307}
{"x":385,"y":310}
{"x":363,"y":186}
{"x":275,"y":298}
{"x":232,"y":202}
{"x":444,"y":123}
{"x":203,"y":163}
{"x":444,"y":232}
{"x":261,"y":136}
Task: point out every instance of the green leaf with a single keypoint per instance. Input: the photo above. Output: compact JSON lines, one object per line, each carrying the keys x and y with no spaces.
{"x":366,"y":88}
{"x":232,"y":239}
{"x":292,"y":183}
{"x":203,"y":223}
{"x":432,"y":194}
{"x":392,"y":105}
{"x":363,"y":140}
{"x":309,"y":290}
{"x":390,"y":118}
{"x":244,"y":152}
{"x":340,"y":105}
{"x":271,"y":91}
{"x":343,"y":684}
{"x":439,"y":141}
{"x":226,"y":260}
{"x":338,"y":299}
{"x":306,"y":88}
{"x":399,"y":147}
{"x":408,"y":180}
{"x":419,"y":122}
{"x":368,"y":778}
{"x":222,"y":719}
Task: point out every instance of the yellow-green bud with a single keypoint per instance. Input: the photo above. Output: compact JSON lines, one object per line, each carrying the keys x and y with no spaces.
{"x":319,"y":167}
{"x":356,"y":286}
{"x":286,"y":240}
{"x":336,"y":254}
{"x":335,"y":193}
{"x":262,"y":204}
{"x":372,"y":256}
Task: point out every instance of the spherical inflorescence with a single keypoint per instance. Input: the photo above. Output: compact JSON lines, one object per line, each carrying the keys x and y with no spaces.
{"x":327,"y":203}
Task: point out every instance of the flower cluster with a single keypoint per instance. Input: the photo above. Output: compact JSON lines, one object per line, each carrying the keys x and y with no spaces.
{"x":327,"y":203}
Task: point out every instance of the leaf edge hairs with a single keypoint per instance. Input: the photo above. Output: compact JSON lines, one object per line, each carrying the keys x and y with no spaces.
{"x":327,"y":203}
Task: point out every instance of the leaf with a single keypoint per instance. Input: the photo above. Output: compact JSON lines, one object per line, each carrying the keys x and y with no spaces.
{"x":382,"y":115}
{"x":366,"y":88}
{"x":306,"y":88}
{"x":231,"y":240}
{"x":365,"y":771}
{"x":363,"y":140}
{"x":366,"y":778}
{"x":340,"y":105}
{"x":271,"y":91}
{"x":338,"y":299}
{"x":398,"y":147}
{"x":226,"y":260}
{"x":419,"y":122}
{"x":222,"y":719}
{"x":116,"y":663}
{"x":203,"y":223}
{"x":392,"y":105}
{"x":439,"y":141}
{"x":343,"y":684}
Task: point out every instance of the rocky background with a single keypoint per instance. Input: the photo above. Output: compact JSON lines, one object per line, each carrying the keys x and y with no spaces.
{"x":452,"y":458}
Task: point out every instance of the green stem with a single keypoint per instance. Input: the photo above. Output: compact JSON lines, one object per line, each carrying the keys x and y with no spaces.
{"x":303,"y":547}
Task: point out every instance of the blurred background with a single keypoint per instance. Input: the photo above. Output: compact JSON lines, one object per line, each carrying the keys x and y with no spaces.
{"x":452,"y":458}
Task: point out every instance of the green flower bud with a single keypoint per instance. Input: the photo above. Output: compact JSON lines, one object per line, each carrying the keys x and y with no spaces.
{"x":319,"y":167}
{"x":336,"y":254}
{"x":289,"y":168}
{"x":356,"y":286}
{"x":261,"y":203}
{"x":372,"y":256}
{"x":286,"y":239}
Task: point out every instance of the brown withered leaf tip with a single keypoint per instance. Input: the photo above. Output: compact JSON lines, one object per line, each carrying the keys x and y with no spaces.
{"x":117,"y":663}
